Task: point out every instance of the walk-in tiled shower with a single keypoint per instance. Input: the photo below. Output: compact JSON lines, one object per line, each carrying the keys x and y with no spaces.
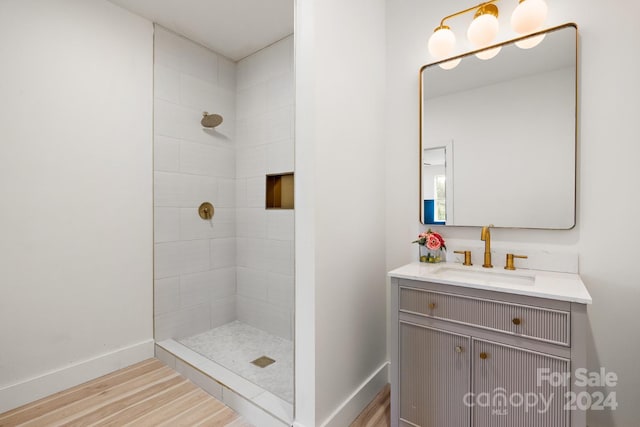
{"x":224,"y":286}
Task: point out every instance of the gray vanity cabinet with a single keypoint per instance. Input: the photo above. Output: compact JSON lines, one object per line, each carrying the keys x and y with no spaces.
{"x":441,"y":376}
{"x":508,"y":376}
{"x":465,"y":357}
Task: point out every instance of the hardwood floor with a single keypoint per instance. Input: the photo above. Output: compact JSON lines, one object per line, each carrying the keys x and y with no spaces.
{"x":150,"y":394}
{"x":145,"y":394}
{"x":378,"y":412}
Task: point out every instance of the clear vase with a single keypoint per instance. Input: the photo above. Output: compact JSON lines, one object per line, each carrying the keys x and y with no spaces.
{"x":431,"y":255}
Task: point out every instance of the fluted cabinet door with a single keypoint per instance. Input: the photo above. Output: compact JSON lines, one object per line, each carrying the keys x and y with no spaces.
{"x":434,"y":377}
{"x":511,"y":387}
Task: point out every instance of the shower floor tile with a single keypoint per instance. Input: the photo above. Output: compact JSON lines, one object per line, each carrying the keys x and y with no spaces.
{"x":236,"y":344}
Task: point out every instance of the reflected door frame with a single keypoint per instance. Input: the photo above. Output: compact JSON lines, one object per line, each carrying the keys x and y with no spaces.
{"x":447,"y":146}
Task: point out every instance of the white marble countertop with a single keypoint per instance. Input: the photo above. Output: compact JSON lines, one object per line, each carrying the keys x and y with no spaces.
{"x":536,"y":283}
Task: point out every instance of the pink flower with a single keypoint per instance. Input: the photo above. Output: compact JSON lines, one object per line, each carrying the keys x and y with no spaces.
{"x":433,"y":242}
{"x":439,"y":237}
{"x":431,"y":239}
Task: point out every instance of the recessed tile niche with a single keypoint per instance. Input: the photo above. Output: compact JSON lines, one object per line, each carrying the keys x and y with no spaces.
{"x":279,"y":191}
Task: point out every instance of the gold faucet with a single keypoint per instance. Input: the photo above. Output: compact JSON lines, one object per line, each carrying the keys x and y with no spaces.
{"x":485,"y":236}
{"x":510,"y":263}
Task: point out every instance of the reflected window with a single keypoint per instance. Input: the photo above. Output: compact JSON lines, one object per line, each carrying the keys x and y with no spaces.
{"x":440,"y":203}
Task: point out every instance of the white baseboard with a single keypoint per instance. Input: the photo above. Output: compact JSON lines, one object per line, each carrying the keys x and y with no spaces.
{"x":35,"y":388}
{"x":359,"y":399}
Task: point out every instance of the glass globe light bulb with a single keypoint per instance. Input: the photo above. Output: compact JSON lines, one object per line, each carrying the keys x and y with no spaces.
{"x":450,"y":65}
{"x":442,"y":42}
{"x":489,"y":53}
{"x":528,"y":16}
{"x":484,"y":27}
{"x":530,"y":42}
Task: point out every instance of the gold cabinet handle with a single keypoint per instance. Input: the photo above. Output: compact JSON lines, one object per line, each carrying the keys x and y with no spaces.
{"x":483,"y":355}
{"x":516,"y":321}
{"x":432,"y":305}
{"x":459,"y":349}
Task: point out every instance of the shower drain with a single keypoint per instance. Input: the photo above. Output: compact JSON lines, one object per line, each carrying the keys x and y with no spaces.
{"x":263,"y":361}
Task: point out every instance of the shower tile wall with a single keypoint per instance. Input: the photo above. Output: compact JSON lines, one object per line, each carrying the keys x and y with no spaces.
{"x":265,"y":145}
{"x":195,"y":273}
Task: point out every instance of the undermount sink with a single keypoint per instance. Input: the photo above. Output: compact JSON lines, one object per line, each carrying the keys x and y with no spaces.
{"x":485,"y":277}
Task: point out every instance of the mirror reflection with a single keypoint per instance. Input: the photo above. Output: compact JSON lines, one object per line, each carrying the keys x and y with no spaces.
{"x":498,"y":137}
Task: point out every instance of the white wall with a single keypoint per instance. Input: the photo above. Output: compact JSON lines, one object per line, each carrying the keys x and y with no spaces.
{"x":608,"y":206}
{"x":76,"y":189}
{"x":195,"y":260}
{"x":340,"y":274}
{"x":265,"y":146}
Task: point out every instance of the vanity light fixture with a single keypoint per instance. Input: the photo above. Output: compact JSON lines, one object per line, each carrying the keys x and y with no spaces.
{"x":442,"y":42}
{"x":530,"y":42}
{"x":526,"y":18}
{"x":450,"y":65}
{"x":489,"y":53}
{"x":485,"y":26}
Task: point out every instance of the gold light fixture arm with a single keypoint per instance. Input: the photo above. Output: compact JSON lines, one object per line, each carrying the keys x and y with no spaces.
{"x":462,"y":12}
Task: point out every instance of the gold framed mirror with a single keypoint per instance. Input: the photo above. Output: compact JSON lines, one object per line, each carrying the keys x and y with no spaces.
{"x":498,"y":136}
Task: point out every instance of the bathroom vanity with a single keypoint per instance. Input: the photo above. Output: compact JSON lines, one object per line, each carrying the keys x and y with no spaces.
{"x":481,"y":347}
